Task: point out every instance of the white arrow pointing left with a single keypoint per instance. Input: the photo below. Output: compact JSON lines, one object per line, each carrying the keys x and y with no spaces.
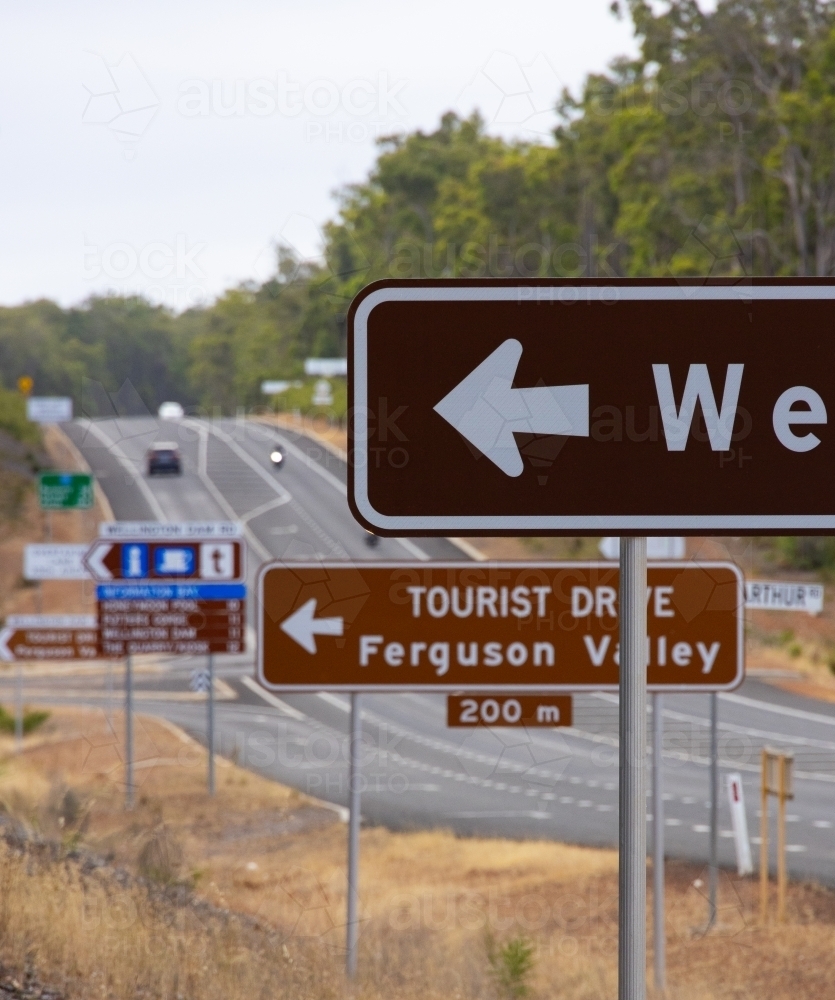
{"x":94,"y":560}
{"x":486,"y":409}
{"x":5,"y":652}
{"x":301,"y":626}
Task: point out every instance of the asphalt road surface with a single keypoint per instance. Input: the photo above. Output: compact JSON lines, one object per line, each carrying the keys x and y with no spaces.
{"x":556,"y":784}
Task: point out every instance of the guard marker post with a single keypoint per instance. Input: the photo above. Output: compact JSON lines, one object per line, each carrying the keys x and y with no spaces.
{"x":632,"y":897}
{"x":353,"y":835}
{"x":659,"y":936}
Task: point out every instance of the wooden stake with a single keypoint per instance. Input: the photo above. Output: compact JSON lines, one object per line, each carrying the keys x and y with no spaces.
{"x":781,"y":842}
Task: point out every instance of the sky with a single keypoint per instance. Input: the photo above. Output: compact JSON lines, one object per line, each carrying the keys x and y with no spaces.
{"x":165,"y":147}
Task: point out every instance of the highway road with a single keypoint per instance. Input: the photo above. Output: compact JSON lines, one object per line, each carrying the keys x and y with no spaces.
{"x":559,"y":784}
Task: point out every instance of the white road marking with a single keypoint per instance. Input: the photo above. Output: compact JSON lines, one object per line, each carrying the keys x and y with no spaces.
{"x":271,"y":699}
{"x":128,"y":466}
{"x":338,"y":485}
{"x":332,"y":699}
{"x":764,"y":706}
{"x":219,"y":498}
{"x":500,"y":814}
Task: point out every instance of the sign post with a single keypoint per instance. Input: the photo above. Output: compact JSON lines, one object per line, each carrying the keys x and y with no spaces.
{"x":658,"y":919}
{"x":632,"y":937}
{"x":210,"y":723}
{"x":713,"y":869}
{"x":533,"y":629}
{"x":354,"y":819}
{"x":593,"y":407}
{"x":174,"y":588}
{"x":129,"y":732}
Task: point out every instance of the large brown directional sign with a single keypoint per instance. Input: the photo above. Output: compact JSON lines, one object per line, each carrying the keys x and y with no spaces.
{"x":492,"y":626}
{"x":616,"y":407}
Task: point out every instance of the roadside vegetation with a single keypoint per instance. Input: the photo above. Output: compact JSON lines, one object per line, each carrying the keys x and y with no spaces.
{"x":244,"y":896}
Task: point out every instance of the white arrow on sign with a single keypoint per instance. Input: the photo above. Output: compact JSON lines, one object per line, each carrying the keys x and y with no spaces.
{"x":5,"y":652}
{"x":487,"y":410}
{"x":301,"y":626}
{"x":93,"y":560}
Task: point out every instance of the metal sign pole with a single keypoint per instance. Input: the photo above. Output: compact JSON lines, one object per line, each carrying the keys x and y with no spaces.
{"x":18,"y":709}
{"x":713,"y":870}
{"x":353,"y":834}
{"x":632,"y":943}
{"x":659,"y":936}
{"x":129,"y":733}
{"x":211,"y":724}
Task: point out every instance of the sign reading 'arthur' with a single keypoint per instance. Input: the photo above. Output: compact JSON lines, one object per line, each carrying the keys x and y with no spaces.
{"x":628,"y":407}
{"x":491,"y":626}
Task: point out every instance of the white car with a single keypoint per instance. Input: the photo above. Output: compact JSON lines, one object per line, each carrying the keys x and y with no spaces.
{"x":171,"y":411}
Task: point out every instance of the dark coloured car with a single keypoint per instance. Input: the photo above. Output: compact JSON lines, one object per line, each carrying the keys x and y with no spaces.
{"x":163,"y":456}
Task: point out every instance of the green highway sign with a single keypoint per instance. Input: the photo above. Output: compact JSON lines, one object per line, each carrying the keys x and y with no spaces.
{"x":65,"y":490}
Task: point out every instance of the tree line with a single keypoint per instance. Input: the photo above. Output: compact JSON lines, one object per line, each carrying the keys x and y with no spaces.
{"x":709,"y":153}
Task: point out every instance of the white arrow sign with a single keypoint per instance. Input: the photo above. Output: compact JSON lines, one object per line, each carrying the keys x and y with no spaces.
{"x":487,"y":410}
{"x":301,"y":626}
{"x":93,"y":560}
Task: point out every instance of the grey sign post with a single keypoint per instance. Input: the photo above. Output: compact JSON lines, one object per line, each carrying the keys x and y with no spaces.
{"x":632,"y":899}
{"x":659,"y":936}
{"x":18,"y":709}
{"x":129,"y":733}
{"x":713,"y":869}
{"x":210,"y":723}
{"x":353,"y":834}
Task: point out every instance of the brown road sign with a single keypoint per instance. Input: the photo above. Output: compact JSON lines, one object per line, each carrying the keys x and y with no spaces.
{"x":527,"y":710}
{"x":595,"y":407}
{"x":49,"y":637}
{"x":192,"y":559}
{"x":177,"y":626}
{"x":491,"y":626}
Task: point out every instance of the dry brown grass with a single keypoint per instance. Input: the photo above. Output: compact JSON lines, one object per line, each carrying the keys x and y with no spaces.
{"x":277,"y":859}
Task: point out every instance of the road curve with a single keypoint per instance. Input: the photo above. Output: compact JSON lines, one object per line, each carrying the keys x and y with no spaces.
{"x":554,"y":784}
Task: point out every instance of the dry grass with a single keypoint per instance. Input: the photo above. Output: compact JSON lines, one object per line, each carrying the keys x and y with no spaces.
{"x":244,"y":895}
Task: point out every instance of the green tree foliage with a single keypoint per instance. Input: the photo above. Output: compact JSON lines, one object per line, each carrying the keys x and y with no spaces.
{"x":709,"y":153}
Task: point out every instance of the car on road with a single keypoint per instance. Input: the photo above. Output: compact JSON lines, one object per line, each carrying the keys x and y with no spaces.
{"x":170,"y":411}
{"x":163,"y":456}
{"x":277,"y":456}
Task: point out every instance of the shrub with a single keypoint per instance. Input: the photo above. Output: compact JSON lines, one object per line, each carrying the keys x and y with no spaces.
{"x":511,"y":965}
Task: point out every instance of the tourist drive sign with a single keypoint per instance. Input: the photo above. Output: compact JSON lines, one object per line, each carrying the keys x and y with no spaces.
{"x":537,"y":627}
{"x":597,"y":407}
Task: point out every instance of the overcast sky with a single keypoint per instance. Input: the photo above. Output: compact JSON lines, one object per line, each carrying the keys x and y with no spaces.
{"x":164,"y":147}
